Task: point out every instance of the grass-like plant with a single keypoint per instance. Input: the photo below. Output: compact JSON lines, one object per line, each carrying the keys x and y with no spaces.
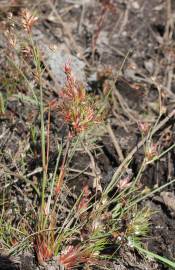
{"x":97,"y":225}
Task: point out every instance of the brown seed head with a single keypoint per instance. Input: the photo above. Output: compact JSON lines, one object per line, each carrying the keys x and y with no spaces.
{"x":28,"y":20}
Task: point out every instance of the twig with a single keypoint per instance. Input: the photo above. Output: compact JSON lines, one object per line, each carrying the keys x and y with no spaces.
{"x":119,"y":121}
{"x":143,"y":78}
{"x":116,"y":26}
{"x":68,"y":33}
{"x":115,"y":142}
{"x":95,"y":170}
{"x":79,"y":172}
{"x":169,"y":25}
{"x":124,"y":164}
{"x":114,"y":49}
{"x":124,"y":20}
{"x":81,"y":17}
{"x":124,"y":106}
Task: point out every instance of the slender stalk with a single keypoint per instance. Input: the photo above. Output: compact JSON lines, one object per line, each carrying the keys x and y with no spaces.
{"x":153,"y":255}
{"x":53,"y":179}
{"x":43,"y":146}
{"x":43,"y":150}
{"x":139,"y":199}
{"x":63,"y":166}
{"x":48,"y":140}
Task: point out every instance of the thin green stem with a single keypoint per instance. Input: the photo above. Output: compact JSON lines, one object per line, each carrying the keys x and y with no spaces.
{"x":43,"y":147}
{"x":153,"y":255}
{"x":37,"y":62}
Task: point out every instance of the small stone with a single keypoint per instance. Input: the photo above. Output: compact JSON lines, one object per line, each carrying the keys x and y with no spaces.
{"x":124,"y":33}
{"x":149,"y":65}
{"x":56,"y":61}
{"x":135,"y":5}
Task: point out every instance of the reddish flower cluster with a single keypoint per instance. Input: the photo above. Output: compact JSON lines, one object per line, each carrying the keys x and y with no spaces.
{"x":69,"y":257}
{"x":151,"y":151}
{"x":124,"y":183}
{"x":78,"y":110}
{"x":144,"y":127}
{"x":84,"y":202}
{"x":44,"y":253}
{"x":72,"y":256}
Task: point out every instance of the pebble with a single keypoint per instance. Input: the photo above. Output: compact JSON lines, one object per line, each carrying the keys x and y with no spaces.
{"x":56,"y":60}
{"x":149,"y":65}
{"x":135,"y":5}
